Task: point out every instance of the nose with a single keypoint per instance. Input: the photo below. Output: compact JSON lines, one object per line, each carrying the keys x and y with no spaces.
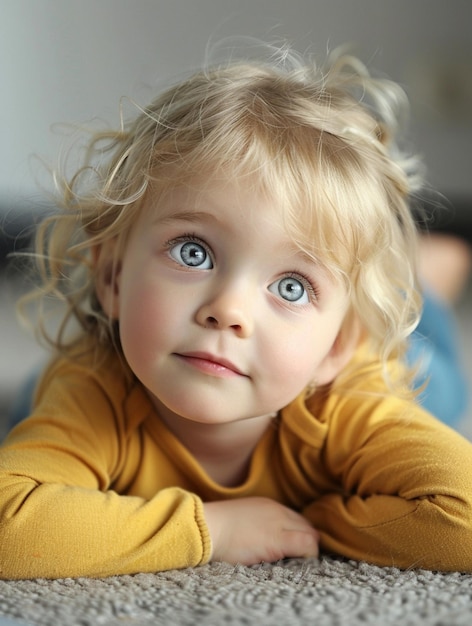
{"x":229,"y":308}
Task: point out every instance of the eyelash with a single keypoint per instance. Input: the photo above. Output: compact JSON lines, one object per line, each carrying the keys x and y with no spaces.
{"x":190,"y":237}
{"x":312,"y":290}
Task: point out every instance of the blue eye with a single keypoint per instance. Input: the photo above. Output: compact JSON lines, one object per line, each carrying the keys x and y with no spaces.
{"x":191,"y":254}
{"x":290,"y":289}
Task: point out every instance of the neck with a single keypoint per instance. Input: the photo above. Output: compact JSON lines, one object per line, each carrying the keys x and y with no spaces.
{"x":223,"y":450}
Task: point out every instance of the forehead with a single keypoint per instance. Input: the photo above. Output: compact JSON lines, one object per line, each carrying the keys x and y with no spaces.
{"x":217,"y":198}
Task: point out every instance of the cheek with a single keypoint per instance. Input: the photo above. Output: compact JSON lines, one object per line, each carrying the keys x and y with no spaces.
{"x":291,"y":358}
{"x":144,"y":319}
{"x":295,"y":356}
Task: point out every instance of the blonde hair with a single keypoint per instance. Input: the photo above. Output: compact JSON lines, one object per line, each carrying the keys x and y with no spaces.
{"x":321,"y":140}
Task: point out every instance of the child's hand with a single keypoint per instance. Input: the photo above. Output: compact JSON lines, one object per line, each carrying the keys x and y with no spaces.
{"x":251,"y":530}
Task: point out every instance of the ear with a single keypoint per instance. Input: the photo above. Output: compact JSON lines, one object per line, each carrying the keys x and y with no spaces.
{"x":341,"y":353}
{"x":107,"y":277}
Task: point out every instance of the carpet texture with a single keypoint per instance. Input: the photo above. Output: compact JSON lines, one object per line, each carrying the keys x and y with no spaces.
{"x":328,"y":592}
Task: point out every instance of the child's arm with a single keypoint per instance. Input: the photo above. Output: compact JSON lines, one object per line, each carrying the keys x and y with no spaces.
{"x":66,"y":526}
{"x":57,"y":531}
{"x":405,"y":496}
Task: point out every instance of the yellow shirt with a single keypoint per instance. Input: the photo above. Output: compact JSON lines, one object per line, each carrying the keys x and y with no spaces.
{"x":94,"y":484}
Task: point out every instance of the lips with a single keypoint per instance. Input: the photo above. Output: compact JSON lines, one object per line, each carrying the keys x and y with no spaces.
{"x":210,"y":364}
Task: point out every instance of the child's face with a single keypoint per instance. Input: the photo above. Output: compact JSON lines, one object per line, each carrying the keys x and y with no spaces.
{"x":220,"y":316}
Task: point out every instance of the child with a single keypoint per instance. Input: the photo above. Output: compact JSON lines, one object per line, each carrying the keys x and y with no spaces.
{"x":241,"y":269}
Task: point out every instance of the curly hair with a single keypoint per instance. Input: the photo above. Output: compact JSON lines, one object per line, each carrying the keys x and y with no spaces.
{"x":322,"y":140}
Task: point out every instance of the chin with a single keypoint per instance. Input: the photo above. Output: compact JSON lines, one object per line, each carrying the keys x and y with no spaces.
{"x":186,"y":407}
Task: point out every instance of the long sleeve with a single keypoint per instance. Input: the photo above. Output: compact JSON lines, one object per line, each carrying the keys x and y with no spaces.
{"x":404,"y":486}
{"x":60,"y":514}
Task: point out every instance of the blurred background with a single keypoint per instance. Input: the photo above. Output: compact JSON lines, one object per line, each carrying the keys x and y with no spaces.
{"x":70,"y":61}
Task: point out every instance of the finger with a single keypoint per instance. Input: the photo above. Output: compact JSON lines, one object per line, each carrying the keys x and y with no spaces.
{"x":301,"y":543}
{"x":298,"y":521}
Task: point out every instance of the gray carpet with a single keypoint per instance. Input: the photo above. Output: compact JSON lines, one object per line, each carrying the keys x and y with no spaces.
{"x":327,"y":592}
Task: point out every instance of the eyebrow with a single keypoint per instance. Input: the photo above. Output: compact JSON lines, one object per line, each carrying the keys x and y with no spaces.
{"x":186,"y":216}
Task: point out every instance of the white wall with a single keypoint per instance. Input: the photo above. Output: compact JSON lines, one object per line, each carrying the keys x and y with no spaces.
{"x":72,"y":60}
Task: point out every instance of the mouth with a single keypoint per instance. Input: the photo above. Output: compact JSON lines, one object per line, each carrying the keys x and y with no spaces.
{"x":210,"y":364}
